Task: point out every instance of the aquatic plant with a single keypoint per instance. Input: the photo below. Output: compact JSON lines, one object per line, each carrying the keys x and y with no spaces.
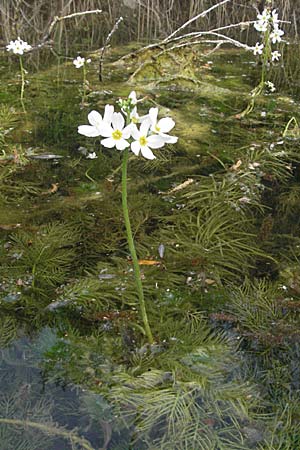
{"x":79,"y":63}
{"x":19,"y":47}
{"x":181,"y":395}
{"x":267,"y":24}
{"x":117,"y":133}
{"x":40,"y":261}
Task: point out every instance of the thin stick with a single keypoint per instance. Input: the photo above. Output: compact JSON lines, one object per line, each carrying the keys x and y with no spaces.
{"x":193,"y":19}
{"x":57,"y":19}
{"x":107,"y":41}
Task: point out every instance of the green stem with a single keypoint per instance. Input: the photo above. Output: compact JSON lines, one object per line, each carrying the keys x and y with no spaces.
{"x":136,"y":267}
{"x":22,"y":81}
{"x":84,"y":84}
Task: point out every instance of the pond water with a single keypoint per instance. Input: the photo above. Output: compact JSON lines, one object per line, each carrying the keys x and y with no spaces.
{"x":216,"y":225}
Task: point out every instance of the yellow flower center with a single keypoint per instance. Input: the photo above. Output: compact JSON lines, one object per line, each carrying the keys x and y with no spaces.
{"x":157,"y":128}
{"x":117,"y":134}
{"x":143,"y":141}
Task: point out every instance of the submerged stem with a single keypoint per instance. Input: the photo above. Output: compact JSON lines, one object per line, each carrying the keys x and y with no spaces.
{"x":49,"y":429}
{"x":136,"y":267}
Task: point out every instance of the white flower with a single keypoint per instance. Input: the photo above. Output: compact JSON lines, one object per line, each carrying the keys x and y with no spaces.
{"x":162,"y":126}
{"x":276,"y":34}
{"x":116,"y":134}
{"x":18,"y":47}
{"x":275,"y":55}
{"x":143,"y":143}
{"x":79,"y":62}
{"x":96,"y":122}
{"x":270,"y":86}
{"x":91,"y":155}
{"x":136,"y":118}
{"x":261,"y":26}
{"x":88,"y":61}
{"x":264,"y":16}
{"x":258,"y":49}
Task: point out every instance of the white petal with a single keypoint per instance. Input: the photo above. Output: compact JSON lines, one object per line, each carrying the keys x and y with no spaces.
{"x":108,"y":142}
{"x":153,"y":113}
{"x":88,"y":131}
{"x":135,"y":132}
{"x":156,"y":141}
{"x":144,"y":128}
{"x":135,"y":147}
{"x":169,"y":139}
{"x":118,"y":121}
{"x":166,"y":124}
{"x":133,"y":98}
{"x":127,"y":131}
{"x":147,"y":153}
{"x":143,"y":118}
{"x":122,"y":144}
{"x":95,"y":118}
{"x":105,"y":129}
{"x":108,"y":113}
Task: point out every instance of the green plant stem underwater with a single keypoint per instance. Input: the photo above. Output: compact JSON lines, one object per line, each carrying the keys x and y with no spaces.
{"x":136,"y":267}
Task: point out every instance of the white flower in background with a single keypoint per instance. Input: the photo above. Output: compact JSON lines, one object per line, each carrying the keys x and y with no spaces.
{"x":258,"y":49}
{"x":18,"y":47}
{"x":162,"y":126}
{"x":264,"y":16}
{"x":91,"y":155}
{"x":96,"y":121}
{"x":143,"y":143}
{"x":117,"y":134}
{"x":261,"y":26}
{"x":270,"y":86}
{"x":275,"y":55}
{"x":79,"y":62}
{"x":276,"y":34}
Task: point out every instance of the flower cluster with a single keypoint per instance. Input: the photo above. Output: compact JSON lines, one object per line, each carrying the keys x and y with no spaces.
{"x":268,"y":24}
{"x":18,"y":47}
{"x":120,"y":130}
{"x":80,"y":62}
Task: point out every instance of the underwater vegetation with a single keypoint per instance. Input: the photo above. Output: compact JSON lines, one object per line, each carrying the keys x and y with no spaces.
{"x":215,"y":222}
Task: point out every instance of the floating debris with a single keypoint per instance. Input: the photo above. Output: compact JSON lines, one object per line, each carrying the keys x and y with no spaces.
{"x":45,"y":156}
{"x":58,"y":304}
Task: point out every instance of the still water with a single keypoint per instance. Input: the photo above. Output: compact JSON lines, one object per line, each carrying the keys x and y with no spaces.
{"x":216,"y":224}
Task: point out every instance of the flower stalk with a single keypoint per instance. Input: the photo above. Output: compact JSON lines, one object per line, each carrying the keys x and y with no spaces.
{"x":130,"y":241}
{"x":125,"y":136}
{"x":19,"y":47}
{"x":268,"y":25}
{"x":22,"y":70}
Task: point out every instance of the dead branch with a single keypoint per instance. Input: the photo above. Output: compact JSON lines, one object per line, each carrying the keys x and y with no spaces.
{"x":46,"y":39}
{"x":193,"y":19}
{"x":105,"y":46}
